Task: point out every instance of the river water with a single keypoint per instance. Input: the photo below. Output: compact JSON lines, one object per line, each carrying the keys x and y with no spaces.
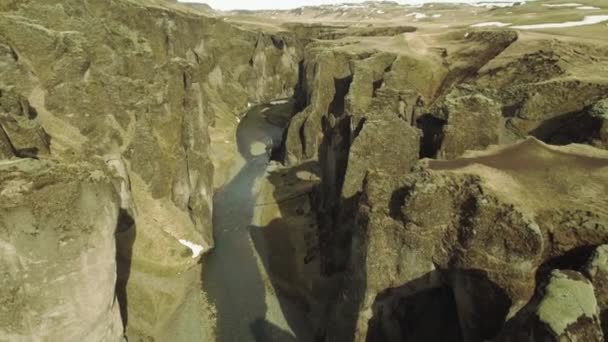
{"x":248,"y":307}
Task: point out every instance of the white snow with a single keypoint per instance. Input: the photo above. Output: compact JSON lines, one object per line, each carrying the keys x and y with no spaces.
{"x":417,"y":15}
{"x":496,"y":4}
{"x":587,"y":8}
{"x":588,"y":20}
{"x":196,"y":249}
{"x":278,"y":102}
{"x":491,"y":23}
{"x":380,"y":12}
{"x":436,"y":15}
{"x":568,"y":4}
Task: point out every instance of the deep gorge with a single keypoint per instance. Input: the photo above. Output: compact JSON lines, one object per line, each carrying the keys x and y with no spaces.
{"x":171,"y":175}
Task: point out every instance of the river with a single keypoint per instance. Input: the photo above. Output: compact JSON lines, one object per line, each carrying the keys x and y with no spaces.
{"x":235,"y":280}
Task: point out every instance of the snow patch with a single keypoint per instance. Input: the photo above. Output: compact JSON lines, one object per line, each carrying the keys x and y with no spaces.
{"x":587,"y":8}
{"x":588,"y":20}
{"x":497,"y":4}
{"x":278,"y":102}
{"x":491,"y":24}
{"x":436,"y":15}
{"x":196,"y":249}
{"x":417,"y":15}
{"x":568,"y":4}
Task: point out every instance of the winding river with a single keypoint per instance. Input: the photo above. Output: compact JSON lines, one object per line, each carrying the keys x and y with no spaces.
{"x":248,"y":307}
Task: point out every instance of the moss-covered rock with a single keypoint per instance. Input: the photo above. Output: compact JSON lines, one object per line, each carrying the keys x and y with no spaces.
{"x":568,"y":310}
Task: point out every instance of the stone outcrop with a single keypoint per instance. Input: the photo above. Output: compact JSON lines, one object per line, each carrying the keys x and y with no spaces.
{"x":597,"y":271}
{"x":57,"y":245}
{"x":475,"y":230}
{"x":499,"y":96}
{"x":568,"y":310}
{"x":565,"y":309}
{"x":597,"y":117}
{"x":474,"y":122}
{"x":544,"y":86}
{"x":21,"y":132}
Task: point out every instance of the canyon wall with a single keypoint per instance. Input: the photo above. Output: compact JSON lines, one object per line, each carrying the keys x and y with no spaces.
{"x":152,"y":90}
{"x":397,"y":268}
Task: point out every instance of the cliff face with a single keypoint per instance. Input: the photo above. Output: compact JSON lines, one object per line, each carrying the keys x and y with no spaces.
{"x":371,"y":111}
{"x":481,"y":231}
{"x":58,"y":251}
{"x":153,"y":90}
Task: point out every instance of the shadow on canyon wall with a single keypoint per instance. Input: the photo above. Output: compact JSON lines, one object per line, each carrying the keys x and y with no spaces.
{"x":126,"y":232}
{"x":281,"y":250}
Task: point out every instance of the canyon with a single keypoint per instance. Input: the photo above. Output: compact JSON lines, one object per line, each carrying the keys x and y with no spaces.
{"x":169,"y":172}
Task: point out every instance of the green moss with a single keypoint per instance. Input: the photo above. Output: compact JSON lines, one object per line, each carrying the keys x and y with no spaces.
{"x":566,"y":300}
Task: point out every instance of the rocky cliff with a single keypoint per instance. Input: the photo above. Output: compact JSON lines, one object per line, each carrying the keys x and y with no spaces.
{"x":370,"y":111}
{"x":154,"y":90}
{"x":58,"y":251}
{"x":118,"y":124}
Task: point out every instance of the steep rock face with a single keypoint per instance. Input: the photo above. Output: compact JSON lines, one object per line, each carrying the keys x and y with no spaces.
{"x":473,"y":122}
{"x":157,"y":99}
{"x":597,"y":271}
{"x":321,"y":75}
{"x":474,"y":230}
{"x":58,"y":270}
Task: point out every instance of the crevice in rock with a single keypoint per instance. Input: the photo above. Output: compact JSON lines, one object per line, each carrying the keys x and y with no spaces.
{"x":357,"y":130}
{"x":125,"y":237}
{"x":574,"y":259}
{"x":341,"y":85}
{"x":377,"y":85}
{"x":300,"y":96}
{"x":577,"y":127}
{"x":432,"y":128}
{"x":411,"y":314}
{"x":278,"y":42}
